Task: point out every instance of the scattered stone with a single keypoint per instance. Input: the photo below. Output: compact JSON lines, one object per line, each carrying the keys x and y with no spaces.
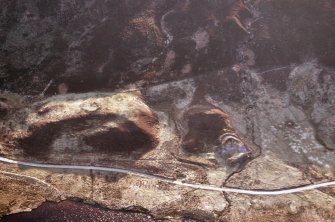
{"x":326,"y":132}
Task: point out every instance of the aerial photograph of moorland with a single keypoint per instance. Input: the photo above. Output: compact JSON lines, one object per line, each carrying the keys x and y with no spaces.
{"x":167,"y":110}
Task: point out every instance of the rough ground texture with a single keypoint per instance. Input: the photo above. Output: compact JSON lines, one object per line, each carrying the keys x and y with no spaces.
{"x":228,"y":93}
{"x":72,"y":211}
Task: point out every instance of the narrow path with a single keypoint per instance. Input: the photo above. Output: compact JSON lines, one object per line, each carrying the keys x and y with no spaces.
{"x":170,"y":181}
{"x":31,"y":178}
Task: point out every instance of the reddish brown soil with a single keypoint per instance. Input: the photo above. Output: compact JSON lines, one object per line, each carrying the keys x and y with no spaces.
{"x":74,"y":211}
{"x":204,"y":130}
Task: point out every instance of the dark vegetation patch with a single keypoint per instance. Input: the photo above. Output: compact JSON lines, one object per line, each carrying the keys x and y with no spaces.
{"x":42,"y":135}
{"x":76,"y":211}
{"x":124,"y":139}
{"x":296,"y":31}
{"x":224,"y":86}
{"x":204,"y":130}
